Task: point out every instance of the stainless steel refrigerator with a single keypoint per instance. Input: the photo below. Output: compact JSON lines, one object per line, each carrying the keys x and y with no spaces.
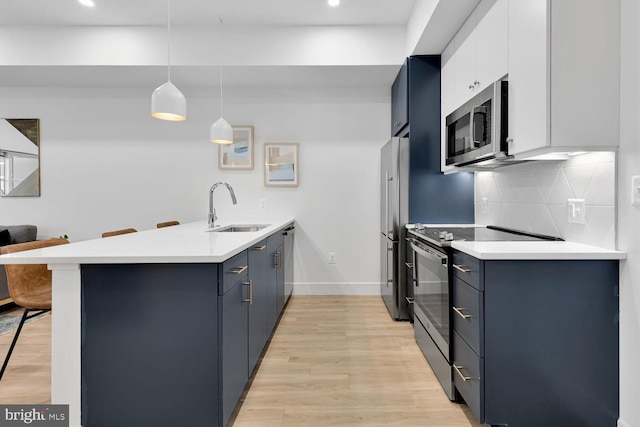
{"x":394,"y":215}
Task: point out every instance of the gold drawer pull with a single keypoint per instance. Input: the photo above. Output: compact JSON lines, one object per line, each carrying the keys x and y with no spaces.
{"x":250,"y":300}
{"x":460,"y":313}
{"x":461,"y":268}
{"x":259,"y":248}
{"x":457,"y":368}
{"x":240,"y":270}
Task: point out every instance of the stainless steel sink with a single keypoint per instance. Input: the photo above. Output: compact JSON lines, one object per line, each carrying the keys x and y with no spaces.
{"x":240,"y":228}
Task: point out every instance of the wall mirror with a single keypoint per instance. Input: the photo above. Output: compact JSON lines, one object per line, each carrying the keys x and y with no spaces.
{"x":19,"y":157}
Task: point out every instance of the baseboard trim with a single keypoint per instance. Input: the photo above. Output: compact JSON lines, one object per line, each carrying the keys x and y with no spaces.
{"x":352,"y":288}
{"x":622,"y":423}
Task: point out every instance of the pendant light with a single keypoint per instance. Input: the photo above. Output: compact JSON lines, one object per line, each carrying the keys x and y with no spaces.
{"x":167,"y":102}
{"x":221,"y":130}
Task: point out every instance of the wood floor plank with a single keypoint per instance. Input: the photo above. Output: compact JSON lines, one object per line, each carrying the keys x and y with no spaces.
{"x":27,"y":379}
{"x":352,"y":341}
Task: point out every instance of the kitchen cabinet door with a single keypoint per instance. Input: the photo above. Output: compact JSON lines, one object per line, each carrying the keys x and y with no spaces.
{"x":465,"y":62}
{"x":447,"y":79}
{"x":528,"y":85}
{"x":279,"y":268}
{"x":275,"y":279}
{"x":400,"y":101}
{"x":234,"y":349}
{"x":481,"y":50}
{"x":564,"y":75}
{"x":492,"y":45}
{"x":257,"y":324}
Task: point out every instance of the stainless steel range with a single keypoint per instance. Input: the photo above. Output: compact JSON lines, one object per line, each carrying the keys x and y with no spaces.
{"x":431,"y":283}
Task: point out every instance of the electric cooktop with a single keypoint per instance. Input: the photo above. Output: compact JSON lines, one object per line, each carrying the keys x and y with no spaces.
{"x":442,"y":236}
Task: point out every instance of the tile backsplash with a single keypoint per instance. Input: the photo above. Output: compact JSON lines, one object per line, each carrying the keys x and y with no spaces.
{"x":534,"y":197}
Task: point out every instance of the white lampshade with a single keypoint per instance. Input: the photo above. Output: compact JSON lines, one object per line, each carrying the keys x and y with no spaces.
{"x":168,"y":103}
{"x":221,"y":132}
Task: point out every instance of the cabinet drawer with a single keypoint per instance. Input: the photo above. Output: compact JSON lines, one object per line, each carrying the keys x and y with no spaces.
{"x":467,"y":268}
{"x":468,"y":376}
{"x":467,"y":313}
{"x":233,"y":270}
{"x":275,"y":240}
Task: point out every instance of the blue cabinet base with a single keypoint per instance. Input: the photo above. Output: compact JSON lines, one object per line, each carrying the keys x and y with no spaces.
{"x":551,"y":343}
{"x":149,"y":345}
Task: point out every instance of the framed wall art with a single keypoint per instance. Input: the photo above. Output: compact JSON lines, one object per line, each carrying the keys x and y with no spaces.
{"x":19,"y":157}
{"x":281,"y":164}
{"x":239,"y":155}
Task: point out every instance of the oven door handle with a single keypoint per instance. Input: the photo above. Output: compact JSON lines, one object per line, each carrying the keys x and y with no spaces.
{"x":442,"y":259}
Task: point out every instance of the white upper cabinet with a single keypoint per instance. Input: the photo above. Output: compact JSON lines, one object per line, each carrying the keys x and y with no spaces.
{"x":480,"y":51}
{"x":492,"y":32}
{"x":564,"y":76}
{"x":464,"y":58}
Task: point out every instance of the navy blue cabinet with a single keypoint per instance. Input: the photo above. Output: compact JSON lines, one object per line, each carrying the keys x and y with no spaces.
{"x":258,"y":333}
{"x":149,"y":352}
{"x":234,"y":332}
{"x":275,"y":279}
{"x":183,"y":340}
{"x":536,"y":341}
{"x":400,"y":102}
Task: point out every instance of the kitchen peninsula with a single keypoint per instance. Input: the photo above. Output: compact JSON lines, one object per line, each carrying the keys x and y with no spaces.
{"x":164,"y":326}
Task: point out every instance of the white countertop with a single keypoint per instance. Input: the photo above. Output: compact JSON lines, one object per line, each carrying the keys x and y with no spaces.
{"x":532,"y":250}
{"x":185,"y":243}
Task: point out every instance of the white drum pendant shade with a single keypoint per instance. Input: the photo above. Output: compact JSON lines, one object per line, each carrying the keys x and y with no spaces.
{"x":221,"y":132}
{"x":168,"y":103}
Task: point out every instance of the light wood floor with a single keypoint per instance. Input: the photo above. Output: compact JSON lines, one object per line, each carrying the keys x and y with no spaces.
{"x":334,"y":360}
{"x":27,"y":379}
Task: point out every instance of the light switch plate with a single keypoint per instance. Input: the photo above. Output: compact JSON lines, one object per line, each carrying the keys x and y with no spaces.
{"x":635,"y":190}
{"x":576,"y":211}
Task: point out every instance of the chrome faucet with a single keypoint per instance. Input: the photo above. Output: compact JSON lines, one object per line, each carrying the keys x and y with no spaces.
{"x":212,"y":211}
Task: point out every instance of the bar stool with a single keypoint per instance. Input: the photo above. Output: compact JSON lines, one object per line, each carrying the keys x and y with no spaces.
{"x":167,"y":224}
{"x":117,"y":232}
{"x":29,"y":286}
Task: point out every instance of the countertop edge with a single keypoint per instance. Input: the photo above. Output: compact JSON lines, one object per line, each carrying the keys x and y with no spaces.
{"x":36,"y":257}
{"x":543,"y":251}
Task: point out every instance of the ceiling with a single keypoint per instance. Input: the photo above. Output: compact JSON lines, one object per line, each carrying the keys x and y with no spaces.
{"x":206,"y":12}
{"x":47,"y":68}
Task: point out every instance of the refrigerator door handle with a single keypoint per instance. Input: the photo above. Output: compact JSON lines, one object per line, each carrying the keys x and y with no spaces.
{"x":386,"y":267}
{"x":389,"y":230}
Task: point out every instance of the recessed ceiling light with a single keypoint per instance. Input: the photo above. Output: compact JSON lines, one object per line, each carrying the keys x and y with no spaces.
{"x":333,"y":3}
{"x":88,"y":3}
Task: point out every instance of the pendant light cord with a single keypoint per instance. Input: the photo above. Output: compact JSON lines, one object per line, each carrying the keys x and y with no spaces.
{"x":220,"y":54}
{"x":169,"y":40}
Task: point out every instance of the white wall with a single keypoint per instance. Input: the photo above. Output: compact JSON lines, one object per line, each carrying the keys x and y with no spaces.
{"x":629,"y":216}
{"x":533,"y":197}
{"x":106,"y":164}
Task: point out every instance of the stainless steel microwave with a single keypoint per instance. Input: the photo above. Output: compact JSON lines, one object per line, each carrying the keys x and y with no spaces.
{"x":477,"y":131}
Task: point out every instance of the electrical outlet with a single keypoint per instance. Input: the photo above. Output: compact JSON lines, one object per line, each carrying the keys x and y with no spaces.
{"x":635,"y":190}
{"x":332,"y":257}
{"x":576,"y":211}
{"x":484,"y":205}
{"x":263,"y":204}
